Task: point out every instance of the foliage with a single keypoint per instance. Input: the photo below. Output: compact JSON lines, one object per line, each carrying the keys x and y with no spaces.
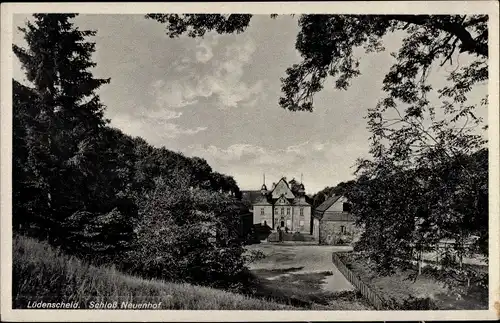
{"x":294,"y":186}
{"x":254,"y":255}
{"x":189,"y":235}
{"x":340,"y":189}
{"x":421,"y":206}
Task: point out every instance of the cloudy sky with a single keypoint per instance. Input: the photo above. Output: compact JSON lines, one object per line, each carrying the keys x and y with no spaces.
{"x":217,"y":98}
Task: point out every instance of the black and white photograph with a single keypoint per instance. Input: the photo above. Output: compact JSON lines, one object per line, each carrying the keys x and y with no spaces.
{"x":276,"y":159}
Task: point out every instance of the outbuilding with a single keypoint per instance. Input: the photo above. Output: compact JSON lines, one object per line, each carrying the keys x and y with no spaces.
{"x":333,"y":222}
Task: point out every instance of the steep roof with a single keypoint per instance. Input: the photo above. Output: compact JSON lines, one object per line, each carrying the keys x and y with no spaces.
{"x":327,"y":203}
{"x":261,"y":200}
{"x":301,"y":200}
{"x":282,"y":187}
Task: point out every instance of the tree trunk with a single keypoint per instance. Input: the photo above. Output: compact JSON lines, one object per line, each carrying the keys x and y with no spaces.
{"x":420,"y":262}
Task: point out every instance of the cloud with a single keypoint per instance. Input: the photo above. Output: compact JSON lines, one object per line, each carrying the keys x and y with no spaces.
{"x":159,"y":114}
{"x":224,"y":81}
{"x":204,"y":46}
{"x":173,"y":94}
{"x":321,"y":163}
{"x":257,"y":155}
{"x":154,"y":126}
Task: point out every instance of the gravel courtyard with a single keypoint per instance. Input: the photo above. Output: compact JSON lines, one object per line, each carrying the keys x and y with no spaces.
{"x":305,"y":273}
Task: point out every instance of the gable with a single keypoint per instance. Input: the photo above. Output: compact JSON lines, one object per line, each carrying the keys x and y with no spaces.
{"x":282,"y":189}
{"x":282,"y":201}
{"x":337,"y":206}
{"x":327,"y":203}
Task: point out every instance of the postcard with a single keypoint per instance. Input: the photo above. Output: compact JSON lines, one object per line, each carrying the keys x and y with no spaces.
{"x":277,"y":161}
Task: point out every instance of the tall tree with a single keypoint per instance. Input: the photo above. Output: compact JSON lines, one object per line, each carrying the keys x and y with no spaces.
{"x":66,"y":117}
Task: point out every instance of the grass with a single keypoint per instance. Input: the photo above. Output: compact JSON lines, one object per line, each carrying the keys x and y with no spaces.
{"x":42,"y":273}
{"x":399,"y":286}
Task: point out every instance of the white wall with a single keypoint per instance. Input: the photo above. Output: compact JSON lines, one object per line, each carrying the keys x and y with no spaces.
{"x":338,"y":205}
{"x":259,"y":218}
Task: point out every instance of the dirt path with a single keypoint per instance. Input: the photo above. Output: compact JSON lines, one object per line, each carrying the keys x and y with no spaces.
{"x":304,"y":272}
{"x":300,"y":259}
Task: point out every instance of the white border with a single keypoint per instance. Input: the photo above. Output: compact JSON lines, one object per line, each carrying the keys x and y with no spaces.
{"x":375,"y":7}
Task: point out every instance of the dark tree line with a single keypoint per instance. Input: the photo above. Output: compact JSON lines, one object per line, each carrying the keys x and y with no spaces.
{"x":100,"y":194}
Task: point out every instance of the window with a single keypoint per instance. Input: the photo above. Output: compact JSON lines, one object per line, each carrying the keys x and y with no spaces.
{"x":289,"y":223}
{"x":346,"y":207}
{"x":342,"y":229}
{"x":302,"y":211}
{"x":287,"y":211}
{"x":282,"y":210}
{"x":261,"y":211}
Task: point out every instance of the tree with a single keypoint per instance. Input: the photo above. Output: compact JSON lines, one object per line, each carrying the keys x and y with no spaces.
{"x":60,"y":131}
{"x":342,"y":188}
{"x":294,"y":186}
{"x":189,"y":235}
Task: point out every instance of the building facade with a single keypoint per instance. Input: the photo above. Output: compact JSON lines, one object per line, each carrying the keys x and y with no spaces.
{"x":281,"y":208}
{"x":333,"y":223}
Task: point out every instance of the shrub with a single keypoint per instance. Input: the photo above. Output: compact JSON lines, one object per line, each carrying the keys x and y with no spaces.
{"x":189,"y":235}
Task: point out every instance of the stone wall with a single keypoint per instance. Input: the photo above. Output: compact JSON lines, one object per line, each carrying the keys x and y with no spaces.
{"x":330,"y":232}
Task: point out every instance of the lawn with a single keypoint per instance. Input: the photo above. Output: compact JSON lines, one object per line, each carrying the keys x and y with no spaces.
{"x":398,"y":286}
{"x":304,"y":276}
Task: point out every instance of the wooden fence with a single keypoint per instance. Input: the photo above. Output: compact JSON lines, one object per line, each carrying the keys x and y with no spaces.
{"x":372,"y":297}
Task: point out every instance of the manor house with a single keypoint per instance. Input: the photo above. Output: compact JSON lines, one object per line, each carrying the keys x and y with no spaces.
{"x":280,"y":207}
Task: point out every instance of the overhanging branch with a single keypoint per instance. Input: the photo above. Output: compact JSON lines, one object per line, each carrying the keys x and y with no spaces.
{"x":469,"y":44}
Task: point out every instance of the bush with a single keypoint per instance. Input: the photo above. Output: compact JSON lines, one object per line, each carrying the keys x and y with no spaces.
{"x":189,"y":235}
